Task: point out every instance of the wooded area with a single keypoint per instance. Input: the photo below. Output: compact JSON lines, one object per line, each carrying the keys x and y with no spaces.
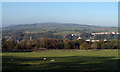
{"x":50,"y":43}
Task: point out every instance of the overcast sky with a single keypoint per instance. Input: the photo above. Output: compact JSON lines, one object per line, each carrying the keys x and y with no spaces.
{"x":91,"y":13}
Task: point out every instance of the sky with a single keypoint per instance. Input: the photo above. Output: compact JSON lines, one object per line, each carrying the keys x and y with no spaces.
{"x":90,"y":13}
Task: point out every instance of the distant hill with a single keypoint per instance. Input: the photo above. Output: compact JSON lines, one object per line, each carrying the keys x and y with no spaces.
{"x":52,"y":26}
{"x":52,"y":30}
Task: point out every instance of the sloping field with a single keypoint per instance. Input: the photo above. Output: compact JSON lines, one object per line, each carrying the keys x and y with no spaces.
{"x":61,"y":60}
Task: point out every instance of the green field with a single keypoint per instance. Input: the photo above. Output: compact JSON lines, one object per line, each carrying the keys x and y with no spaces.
{"x":78,"y":60}
{"x":66,"y":33}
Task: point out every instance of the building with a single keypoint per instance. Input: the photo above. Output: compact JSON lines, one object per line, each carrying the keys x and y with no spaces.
{"x":79,"y":38}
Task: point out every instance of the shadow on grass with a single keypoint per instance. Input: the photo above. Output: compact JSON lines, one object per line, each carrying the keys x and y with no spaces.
{"x":70,"y":63}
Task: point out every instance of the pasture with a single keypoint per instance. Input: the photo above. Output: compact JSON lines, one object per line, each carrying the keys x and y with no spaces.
{"x":61,"y":60}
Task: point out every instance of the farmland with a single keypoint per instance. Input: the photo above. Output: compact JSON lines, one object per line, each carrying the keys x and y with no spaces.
{"x":61,"y":60}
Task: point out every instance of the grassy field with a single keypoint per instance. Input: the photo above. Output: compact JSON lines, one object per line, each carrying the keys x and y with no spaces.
{"x":61,"y":60}
{"x":66,"y":33}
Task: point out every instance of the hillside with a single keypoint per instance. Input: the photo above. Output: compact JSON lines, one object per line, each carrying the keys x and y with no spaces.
{"x":50,"y":26}
{"x":52,"y":30}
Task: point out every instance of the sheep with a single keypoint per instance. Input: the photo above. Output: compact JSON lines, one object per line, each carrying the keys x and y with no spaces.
{"x":44,"y":58}
{"x":12,"y":59}
{"x":52,"y":60}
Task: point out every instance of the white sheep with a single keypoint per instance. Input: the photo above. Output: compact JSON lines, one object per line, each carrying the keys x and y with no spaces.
{"x":52,"y":60}
{"x":44,"y":58}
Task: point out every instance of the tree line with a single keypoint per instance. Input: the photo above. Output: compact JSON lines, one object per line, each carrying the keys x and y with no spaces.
{"x":50,"y":43}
